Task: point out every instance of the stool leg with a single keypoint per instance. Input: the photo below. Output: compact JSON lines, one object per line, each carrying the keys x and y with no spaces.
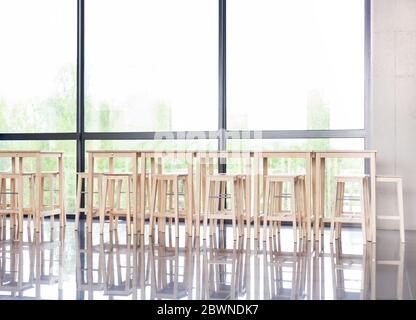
{"x":247,"y":196}
{"x":102,"y":206}
{"x":340,"y":209}
{"x":78,"y":202}
{"x":401,"y":211}
{"x":233,"y":202}
{"x":334,"y":209}
{"x":128,"y":207}
{"x":118,"y":199}
{"x":266,"y":209}
{"x":367,"y":208}
{"x":152,"y":205}
{"x":272,"y":207}
{"x":206,"y":209}
{"x":293,"y":209}
{"x":52,"y":202}
{"x":305,"y":206}
{"x":20,"y":205}
{"x":2,"y":207}
{"x":363,"y":214}
{"x":176,"y":200}
{"x":239,"y":207}
{"x":279,"y":203}
{"x":222,"y":202}
{"x":161,"y":220}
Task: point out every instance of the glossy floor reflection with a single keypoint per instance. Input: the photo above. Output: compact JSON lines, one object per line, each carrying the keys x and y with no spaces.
{"x":69,"y":265}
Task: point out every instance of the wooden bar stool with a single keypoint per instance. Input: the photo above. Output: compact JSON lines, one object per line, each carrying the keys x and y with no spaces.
{"x":49,"y":208}
{"x":339,"y":216}
{"x":216,"y":195}
{"x":166,"y":188}
{"x":83,"y":177}
{"x":12,"y":201}
{"x":273,"y":208}
{"x":399,"y":190}
{"x":114,"y":182}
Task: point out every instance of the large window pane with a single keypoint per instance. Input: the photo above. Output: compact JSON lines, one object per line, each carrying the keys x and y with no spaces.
{"x":48,"y":164}
{"x":295,"y":64}
{"x":151,"y":65}
{"x":38,"y":65}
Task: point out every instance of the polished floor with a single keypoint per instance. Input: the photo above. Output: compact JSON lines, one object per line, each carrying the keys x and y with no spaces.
{"x":71,"y":265}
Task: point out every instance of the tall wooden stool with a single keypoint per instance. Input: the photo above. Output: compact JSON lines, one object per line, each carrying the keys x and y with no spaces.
{"x":49,"y":208}
{"x":12,"y":201}
{"x":339,"y":216}
{"x":273,"y":196}
{"x":169,"y":186}
{"x":83,"y":177}
{"x":112,"y":190}
{"x":216,"y":195}
{"x":399,"y":190}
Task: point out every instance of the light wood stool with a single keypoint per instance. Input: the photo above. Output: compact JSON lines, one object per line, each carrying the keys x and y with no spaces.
{"x":52,"y":208}
{"x":340,"y":216}
{"x":167,"y":187}
{"x":216,"y":195}
{"x":12,"y":202}
{"x":273,"y":196}
{"x":399,"y":190}
{"x":112,"y":190}
{"x":83,"y":177}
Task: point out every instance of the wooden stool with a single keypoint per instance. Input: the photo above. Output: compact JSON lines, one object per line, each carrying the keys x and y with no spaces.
{"x":166,"y":187}
{"x":52,"y":208}
{"x":399,"y":188}
{"x":83,"y":177}
{"x":215,"y":201}
{"x":273,"y":195}
{"x":339,"y":216}
{"x":112,"y":187}
{"x":13,"y":205}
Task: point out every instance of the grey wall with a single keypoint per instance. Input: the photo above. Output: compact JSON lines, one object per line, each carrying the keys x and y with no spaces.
{"x":393,"y":120}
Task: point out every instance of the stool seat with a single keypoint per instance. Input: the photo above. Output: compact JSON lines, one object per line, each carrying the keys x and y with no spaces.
{"x":170,"y":176}
{"x":224,"y":177}
{"x":351,"y":177}
{"x":282,"y":176}
{"x":385,"y":178}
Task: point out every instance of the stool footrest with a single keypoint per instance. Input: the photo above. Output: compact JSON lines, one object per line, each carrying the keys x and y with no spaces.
{"x":388,"y":217}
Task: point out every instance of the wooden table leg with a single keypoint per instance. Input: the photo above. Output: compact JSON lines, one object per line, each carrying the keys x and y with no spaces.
{"x":318,"y":191}
{"x":373,"y":197}
{"x":135,"y":213}
{"x":90,"y":202}
{"x":39,"y":193}
{"x":143,"y":192}
{"x":256,"y":195}
{"x":190,"y":195}
{"x":62,"y":215}
{"x":308,"y":182}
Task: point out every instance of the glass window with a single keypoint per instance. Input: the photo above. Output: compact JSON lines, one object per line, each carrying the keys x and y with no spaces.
{"x":38,"y":65}
{"x":151,"y":65}
{"x":295,"y":64}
